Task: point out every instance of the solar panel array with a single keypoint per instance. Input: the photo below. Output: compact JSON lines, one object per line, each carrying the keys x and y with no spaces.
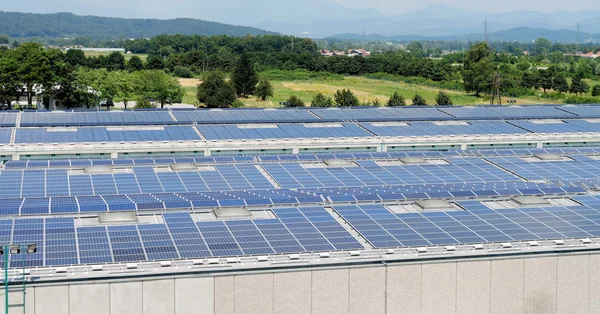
{"x":436,"y":128}
{"x":218,"y":132}
{"x":244,"y":116}
{"x":305,"y":115}
{"x":93,"y":118}
{"x":61,"y":242}
{"x":305,"y":203}
{"x":143,"y":179}
{"x":101,"y":134}
{"x":476,"y":224}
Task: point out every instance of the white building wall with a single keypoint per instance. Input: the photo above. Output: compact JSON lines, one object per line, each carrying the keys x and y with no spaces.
{"x":549,"y":284}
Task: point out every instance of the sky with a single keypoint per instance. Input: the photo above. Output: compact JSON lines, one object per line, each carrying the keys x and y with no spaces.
{"x":387,"y":7}
{"x":493,"y":6}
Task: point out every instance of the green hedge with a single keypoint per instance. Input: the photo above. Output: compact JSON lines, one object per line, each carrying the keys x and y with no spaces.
{"x":416,"y":80}
{"x":299,"y":75}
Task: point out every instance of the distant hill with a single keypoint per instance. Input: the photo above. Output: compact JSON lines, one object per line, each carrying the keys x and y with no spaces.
{"x":61,"y":25}
{"x":519,"y":34}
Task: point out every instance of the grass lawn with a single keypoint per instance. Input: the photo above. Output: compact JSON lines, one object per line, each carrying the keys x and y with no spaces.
{"x":364,"y":88}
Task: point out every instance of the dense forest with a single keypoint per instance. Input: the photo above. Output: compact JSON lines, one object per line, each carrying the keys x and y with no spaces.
{"x":543,"y":69}
{"x":61,"y":25}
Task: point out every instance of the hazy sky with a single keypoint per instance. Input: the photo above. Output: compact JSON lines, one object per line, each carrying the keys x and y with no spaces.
{"x":195,"y":7}
{"x":400,"y":6}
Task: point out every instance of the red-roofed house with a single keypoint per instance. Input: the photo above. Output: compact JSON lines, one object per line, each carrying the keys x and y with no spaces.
{"x":358,"y":52}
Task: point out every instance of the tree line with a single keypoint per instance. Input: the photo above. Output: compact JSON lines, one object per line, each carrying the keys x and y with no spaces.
{"x":33,"y":71}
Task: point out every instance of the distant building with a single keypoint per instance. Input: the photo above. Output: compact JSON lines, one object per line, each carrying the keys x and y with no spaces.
{"x":590,"y":55}
{"x":330,"y":53}
{"x":358,"y":52}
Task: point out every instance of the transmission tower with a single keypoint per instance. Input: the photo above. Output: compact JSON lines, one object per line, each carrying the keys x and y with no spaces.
{"x":485,"y":30}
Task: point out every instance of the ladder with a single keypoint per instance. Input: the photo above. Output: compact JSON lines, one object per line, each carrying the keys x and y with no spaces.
{"x":14,"y":288}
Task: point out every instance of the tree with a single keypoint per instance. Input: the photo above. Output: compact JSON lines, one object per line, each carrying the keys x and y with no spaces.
{"x":135,"y":64}
{"x":560,"y":84}
{"x":396,"y":100}
{"x":531,"y":79}
{"x":294,"y":102}
{"x":320,"y":100}
{"x":542,"y":46}
{"x":159,"y":86}
{"x":143,"y":103}
{"x":442,"y":99}
{"x":546,"y":80}
{"x":578,"y":86}
{"x":4,"y":40}
{"x":244,"y":76}
{"x":597,"y":71}
{"x":115,"y":61}
{"x":478,"y":69}
{"x":345,"y":98}
{"x":596,"y":91}
{"x":75,"y":57}
{"x":264,"y":90}
{"x":215,"y":92}
{"x":155,"y":63}
{"x":418,"y":100}
{"x":123,"y":82}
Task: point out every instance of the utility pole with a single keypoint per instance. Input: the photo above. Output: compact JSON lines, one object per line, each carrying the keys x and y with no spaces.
{"x":578,"y":38}
{"x":496,"y":85}
{"x":292,"y":42}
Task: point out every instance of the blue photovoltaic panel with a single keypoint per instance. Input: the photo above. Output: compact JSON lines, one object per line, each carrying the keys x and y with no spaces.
{"x":317,"y":130}
{"x":558,"y":126}
{"x":39,"y":183}
{"x":381,"y":114}
{"x":458,"y":170}
{"x":8,"y":119}
{"x":244,"y":116}
{"x":507,"y":112}
{"x":101,"y":134}
{"x":95,"y":118}
{"x":419,"y":128}
{"x":478,"y":224}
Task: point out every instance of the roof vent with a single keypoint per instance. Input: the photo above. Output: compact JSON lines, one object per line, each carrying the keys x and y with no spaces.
{"x":182,"y":166}
{"x":413,"y":160}
{"x":98,"y":169}
{"x":231,"y":213}
{"x":118,"y":217}
{"x":434,"y":204}
{"x":530,"y":200}
{"x":338,"y":163}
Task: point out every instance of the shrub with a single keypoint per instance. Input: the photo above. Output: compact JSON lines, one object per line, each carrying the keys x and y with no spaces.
{"x":320,"y":100}
{"x":144,"y":103}
{"x":237,"y":104}
{"x":396,"y":100}
{"x":345,"y":98}
{"x":264,"y":90}
{"x":442,"y":99}
{"x":418,"y":100}
{"x":181,"y":71}
{"x":294,"y":101}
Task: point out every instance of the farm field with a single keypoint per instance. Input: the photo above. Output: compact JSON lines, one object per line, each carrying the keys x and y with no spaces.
{"x":106,"y":53}
{"x":364,"y":88}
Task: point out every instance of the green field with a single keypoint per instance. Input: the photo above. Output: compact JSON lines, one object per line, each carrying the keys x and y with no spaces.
{"x":364,"y":88}
{"x":106,"y":53}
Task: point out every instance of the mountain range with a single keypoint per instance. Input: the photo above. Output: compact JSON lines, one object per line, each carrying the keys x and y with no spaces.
{"x":61,"y":25}
{"x":440,"y":21}
{"x":518,"y":34}
{"x":310,"y":18}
